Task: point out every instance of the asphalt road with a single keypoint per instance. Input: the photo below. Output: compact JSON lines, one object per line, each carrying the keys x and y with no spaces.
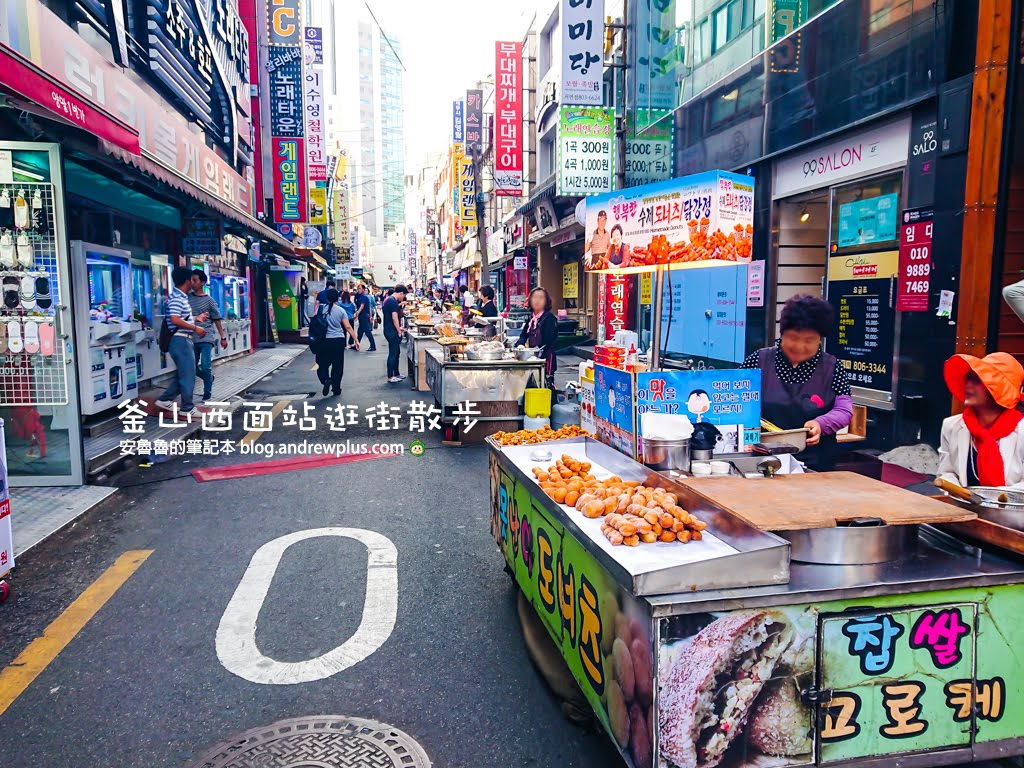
{"x":142,"y":685}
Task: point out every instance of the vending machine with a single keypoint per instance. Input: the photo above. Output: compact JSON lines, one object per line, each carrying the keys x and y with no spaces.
{"x":236,"y":314}
{"x":106,"y":326}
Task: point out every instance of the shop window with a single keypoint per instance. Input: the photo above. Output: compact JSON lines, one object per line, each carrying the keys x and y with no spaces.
{"x":142,"y":293}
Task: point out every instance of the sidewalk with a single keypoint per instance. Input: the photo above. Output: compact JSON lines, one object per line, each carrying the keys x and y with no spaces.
{"x":232,"y":378}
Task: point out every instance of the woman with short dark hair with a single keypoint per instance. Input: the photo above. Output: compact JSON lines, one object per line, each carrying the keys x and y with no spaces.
{"x":542,"y":331}
{"x":801,"y":384}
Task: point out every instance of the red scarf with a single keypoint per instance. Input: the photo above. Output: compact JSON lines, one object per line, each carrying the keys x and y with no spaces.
{"x":991,"y":471}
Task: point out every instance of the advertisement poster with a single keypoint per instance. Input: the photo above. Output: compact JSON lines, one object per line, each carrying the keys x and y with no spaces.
{"x":314,"y":49}
{"x":289,"y":180}
{"x":656,"y":55}
{"x":284,"y":283}
{"x":731,"y":400}
{"x":318,"y":206}
{"x":597,"y":626}
{"x":508,"y":120}
{"x":906,"y":673}
{"x":704,"y":217}
{"x":613,"y":409}
{"x":582,"y":52}
{"x":863,"y":222}
{"x":202,"y":237}
{"x":649,"y":148}
{"x":864,"y":335}
{"x":571,"y":280}
{"x":586,"y":144}
{"x":914,"y":282}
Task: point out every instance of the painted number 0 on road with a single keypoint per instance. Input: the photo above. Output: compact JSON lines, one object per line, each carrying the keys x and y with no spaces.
{"x":236,"y":635}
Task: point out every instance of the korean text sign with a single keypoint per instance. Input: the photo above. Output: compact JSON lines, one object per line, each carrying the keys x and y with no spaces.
{"x":316,"y":119}
{"x":508,"y":120}
{"x":284,"y":73}
{"x":704,"y":217}
{"x":586,"y":162}
{"x":474,"y":118}
{"x":289,"y":180}
{"x":915,"y":261}
{"x":649,"y":148}
{"x":582,"y":52}
{"x":731,"y":400}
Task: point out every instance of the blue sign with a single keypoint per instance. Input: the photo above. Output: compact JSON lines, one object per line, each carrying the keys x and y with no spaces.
{"x":284,"y":65}
{"x":863,"y":222}
{"x":458,"y":122}
{"x":731,"y":400}
{"x":614,"y":409}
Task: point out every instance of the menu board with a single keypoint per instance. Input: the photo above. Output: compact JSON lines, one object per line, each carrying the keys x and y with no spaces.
{"x":586,"y":162}
{"x":860,"y":289}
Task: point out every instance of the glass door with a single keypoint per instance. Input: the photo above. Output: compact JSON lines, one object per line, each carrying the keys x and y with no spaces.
{"x":39,"y":400}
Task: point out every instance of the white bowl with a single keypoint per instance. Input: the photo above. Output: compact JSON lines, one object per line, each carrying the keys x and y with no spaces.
{"x":700,"y":469}
{"x":720,"y":467}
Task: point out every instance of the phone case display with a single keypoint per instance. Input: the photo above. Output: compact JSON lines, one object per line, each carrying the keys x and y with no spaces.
{"x":34,"y":369}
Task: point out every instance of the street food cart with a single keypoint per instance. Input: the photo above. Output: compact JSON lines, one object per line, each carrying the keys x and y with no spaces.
{"x":819,"y":619}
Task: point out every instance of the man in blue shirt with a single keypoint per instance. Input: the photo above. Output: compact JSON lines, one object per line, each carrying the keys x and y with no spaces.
{"x":179,"y":320}
{"x":364,"y":316}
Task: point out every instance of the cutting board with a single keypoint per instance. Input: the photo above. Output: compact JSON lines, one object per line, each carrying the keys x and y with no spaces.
{"x":820,"y":500}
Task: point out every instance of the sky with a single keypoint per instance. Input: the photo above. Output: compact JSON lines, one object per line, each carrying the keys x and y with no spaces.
{"x":447,"y":46}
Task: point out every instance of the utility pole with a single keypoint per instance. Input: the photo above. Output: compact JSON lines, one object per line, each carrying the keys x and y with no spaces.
{"x":481,"y":228}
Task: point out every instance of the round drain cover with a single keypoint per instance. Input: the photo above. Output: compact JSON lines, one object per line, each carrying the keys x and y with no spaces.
{"x":318,"y":742}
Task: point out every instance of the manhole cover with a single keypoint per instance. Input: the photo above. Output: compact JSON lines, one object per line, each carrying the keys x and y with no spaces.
{"x":318,"y":742}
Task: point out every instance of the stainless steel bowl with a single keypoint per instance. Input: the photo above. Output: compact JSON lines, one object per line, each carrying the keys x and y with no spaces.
{"x":528,"y":353}
{"x":472,"y":354}
{"x":663,"y":455}
{"x":856,"y":542}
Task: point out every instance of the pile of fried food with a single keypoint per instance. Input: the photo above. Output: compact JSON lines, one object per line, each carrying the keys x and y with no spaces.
{"x":542,"y":435}
{"x":448,"y":336}
{"x":633,"y":513}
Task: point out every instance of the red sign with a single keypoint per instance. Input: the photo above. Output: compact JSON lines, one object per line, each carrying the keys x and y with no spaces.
{"x":915,"y":260}
{"x":23,"y":79}
{"x":617,"y":297}
{"x":508,"y":120}
{"x":289,"y":163}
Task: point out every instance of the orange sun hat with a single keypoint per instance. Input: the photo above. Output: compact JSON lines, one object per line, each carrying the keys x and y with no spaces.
{"x":1000,"y":372}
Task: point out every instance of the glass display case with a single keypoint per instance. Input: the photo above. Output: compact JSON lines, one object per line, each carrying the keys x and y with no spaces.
{"x":142,"y":293}
{"x":217,"y":291}
{"x":109,"y":280}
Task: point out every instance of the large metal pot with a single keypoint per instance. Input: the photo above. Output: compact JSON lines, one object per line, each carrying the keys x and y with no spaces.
{"x":527,"y":353}
{"x":663,"y":455}
{"x":853,"y":542}
{"x":474,"y":354}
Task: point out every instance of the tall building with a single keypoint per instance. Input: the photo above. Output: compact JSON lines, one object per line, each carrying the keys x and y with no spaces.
{"x":372,"y":80}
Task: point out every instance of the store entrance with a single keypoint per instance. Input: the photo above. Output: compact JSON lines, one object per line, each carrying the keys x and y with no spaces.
{"x":802,"y":223}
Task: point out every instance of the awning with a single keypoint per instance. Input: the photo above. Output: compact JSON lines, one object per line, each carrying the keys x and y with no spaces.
{"x":313,"y":256}
{"x":535,"y":198}
{"x":171,"y":179}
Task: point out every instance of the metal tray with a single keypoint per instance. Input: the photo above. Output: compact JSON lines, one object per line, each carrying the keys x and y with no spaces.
{"x":739,"y":555}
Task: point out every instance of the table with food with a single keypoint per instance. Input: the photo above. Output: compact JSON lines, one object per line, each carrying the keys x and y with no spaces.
{"x":757,"y":616}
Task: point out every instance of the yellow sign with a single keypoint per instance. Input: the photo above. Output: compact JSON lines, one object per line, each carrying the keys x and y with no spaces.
{"x":467,"y":190}
{"x":571,"y":281}
{"x":342,"y":168}
{"x":864,"y":266}
{"x":317,"y":206}
{"x":458,"y":153}
{"x":646,"y":289}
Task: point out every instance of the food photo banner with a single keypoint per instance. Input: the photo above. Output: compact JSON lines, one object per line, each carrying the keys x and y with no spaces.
{"x":703,"y":219}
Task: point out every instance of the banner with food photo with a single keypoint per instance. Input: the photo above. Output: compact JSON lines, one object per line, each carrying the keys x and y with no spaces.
{"x":705,"y":218}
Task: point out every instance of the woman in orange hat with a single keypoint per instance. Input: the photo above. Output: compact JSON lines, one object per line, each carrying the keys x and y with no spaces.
{"x":985,"y":444}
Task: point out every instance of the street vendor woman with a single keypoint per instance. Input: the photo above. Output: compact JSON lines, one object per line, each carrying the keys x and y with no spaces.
{"x":801,"y":384}
{"x":541,"y":331}
{"x":985,"y":444}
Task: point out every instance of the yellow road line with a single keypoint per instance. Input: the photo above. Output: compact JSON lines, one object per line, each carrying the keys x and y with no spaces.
{"x":255,"y":435}
{"x":18,"y":676}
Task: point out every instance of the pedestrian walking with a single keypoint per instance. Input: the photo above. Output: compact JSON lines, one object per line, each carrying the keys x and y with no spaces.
{"x":303,"y":303}
{"x":364,"y":316}
{"x":346,"y":303}
{"x":201,"y":304}
{"x":180,"y":323}
{"x":320,"y":296}
{"x":393,"y":332}
{"x":330,"y":351}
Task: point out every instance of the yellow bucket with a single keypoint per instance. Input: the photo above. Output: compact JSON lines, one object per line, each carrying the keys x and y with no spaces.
{"x":537,"y":403}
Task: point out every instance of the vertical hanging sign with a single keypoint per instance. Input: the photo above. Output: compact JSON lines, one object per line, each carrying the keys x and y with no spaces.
{"x":284,"y":84}
{"x":474,"y":116}
{"x":508,"y":120}
{"x":582,"y":52}
{"x":313,"y":97}
{"x":458,"y":154}
{"x":915,"y":261}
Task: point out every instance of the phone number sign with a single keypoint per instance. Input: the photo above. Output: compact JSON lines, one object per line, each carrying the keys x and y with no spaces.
{"x":915,"y":260}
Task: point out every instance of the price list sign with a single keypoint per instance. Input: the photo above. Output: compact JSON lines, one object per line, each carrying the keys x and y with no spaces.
{"x":649,"y":148}
{"x":864,"y":333}
{"x":586,"y":165}
{"x":915,"y":260}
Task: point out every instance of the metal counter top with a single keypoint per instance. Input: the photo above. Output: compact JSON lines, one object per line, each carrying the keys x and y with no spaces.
{"x":475,"y":365}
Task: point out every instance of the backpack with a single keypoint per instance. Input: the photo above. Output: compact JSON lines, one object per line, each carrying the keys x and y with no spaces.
{"x":166,"y":334}
{"x":318,"y":326}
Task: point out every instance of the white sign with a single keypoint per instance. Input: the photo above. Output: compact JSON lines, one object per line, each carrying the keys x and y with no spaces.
{"x":343,"y":272}
{"x":582,"y":52}
{"x":873,"y":150}
{"x":521,"y":262}
{"x":311,"y":237}
{"x":354,"y":246}
{"x":755,"y":284}
{"x":316,"y":119}
{"x":6,"y":166}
